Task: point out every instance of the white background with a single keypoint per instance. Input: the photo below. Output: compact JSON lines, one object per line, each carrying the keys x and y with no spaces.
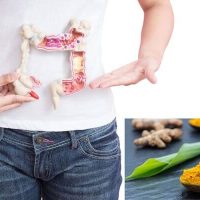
{"x":177,"y":92}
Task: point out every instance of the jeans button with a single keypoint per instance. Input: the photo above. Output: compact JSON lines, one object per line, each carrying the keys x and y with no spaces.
{"x":38,"y":140}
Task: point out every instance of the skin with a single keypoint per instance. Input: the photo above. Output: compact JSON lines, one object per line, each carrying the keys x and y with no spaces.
{"x":155,"y":35}
{"x":8,"y":99}
{"x":156,"y":32}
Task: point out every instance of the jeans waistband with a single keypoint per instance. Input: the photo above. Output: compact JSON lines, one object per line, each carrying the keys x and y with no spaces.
{"x":44,"y":139}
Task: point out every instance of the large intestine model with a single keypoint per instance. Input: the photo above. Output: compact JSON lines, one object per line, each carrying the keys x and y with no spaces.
{"x":73,"y":41}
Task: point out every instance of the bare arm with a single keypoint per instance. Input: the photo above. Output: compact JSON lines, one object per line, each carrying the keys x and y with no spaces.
{"x":157,"y":28}
{"x":156,"y":32}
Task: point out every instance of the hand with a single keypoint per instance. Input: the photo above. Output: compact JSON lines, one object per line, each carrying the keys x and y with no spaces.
{"x":8,"y":99}
{"x":129,"y":74}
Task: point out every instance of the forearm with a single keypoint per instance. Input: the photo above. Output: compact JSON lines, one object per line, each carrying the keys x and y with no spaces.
{"x":156,"y":32}
{"x":157,"y":28}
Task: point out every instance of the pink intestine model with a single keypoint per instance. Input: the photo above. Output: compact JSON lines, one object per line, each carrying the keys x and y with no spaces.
{"x":73,"y":41}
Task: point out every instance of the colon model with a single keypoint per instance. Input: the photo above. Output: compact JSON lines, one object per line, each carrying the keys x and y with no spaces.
{"x":72,"y":41}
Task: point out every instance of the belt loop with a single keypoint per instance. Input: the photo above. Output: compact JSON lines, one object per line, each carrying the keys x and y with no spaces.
{"x":1,"y":133}
{"x":73,"y":139}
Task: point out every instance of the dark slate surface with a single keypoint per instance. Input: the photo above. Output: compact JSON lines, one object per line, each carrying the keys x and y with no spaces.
{"x":163,"y":186}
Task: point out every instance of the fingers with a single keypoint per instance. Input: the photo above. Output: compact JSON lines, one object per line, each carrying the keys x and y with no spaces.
{"x":118,"y":72}
{"x":4,"y":90}
{"x":122,"y":79}
{"x":20,"y":99}
{"x":150,"y":75}
{"x":127,"y":79}
{"x":11,"y":88}
{"x":8,"y":78}
{"x":5,"y":108}
{"x":96,"y":83}
{"x":151,"y":66}
{"x":129,"y":74}
{"x":13,"y":99}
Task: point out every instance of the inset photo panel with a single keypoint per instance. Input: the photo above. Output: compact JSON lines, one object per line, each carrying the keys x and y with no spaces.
{"x":162,"y":159}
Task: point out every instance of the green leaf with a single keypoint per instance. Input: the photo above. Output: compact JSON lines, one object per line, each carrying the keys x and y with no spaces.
{"x":154,"y":166}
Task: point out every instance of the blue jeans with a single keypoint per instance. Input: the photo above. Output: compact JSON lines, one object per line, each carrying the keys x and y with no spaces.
{"x":69,"y":165}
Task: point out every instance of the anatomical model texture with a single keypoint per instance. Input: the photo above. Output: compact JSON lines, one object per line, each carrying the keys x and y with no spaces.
{"x":72,"y":41}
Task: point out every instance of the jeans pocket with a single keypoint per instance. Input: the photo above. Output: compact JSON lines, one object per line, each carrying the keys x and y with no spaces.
{"x":105,"y":146}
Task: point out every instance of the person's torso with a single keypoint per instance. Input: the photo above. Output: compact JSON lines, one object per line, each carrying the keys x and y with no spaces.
{"x":53,"y":17}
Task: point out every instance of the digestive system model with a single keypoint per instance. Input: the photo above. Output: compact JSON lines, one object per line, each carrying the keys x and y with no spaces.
{"x":72,"y":41}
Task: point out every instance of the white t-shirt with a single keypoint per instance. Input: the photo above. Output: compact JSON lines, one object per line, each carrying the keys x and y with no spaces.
{"x":85,"y":109}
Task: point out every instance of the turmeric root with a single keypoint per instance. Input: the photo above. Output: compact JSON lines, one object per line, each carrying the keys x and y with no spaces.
{"x":148,"y":124}
{"x":158,"y":138}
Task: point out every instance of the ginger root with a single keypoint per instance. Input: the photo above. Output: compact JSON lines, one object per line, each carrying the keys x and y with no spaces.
{"x":157,"y":133}
{"x":158,"y":138}
{"x":149,"y":124}
{"x":191,"y":176}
